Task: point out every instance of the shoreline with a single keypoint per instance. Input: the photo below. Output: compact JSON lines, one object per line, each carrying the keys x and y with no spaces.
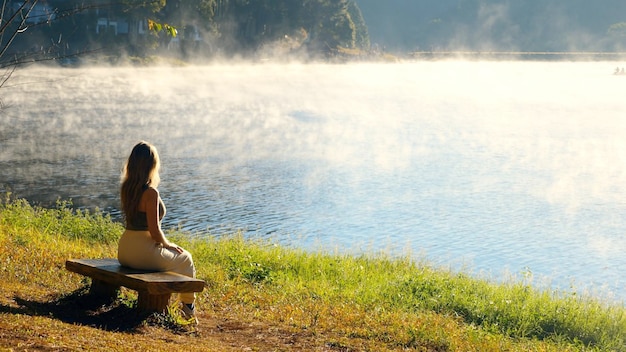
{"x":520,"y":55}
{"x":294,"y":300}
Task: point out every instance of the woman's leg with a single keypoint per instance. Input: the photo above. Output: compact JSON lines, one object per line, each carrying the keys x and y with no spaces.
{"x":181,"y":263}
{"x":138,"y":250}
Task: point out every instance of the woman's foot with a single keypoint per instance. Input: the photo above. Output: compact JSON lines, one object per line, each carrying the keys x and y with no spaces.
{"x":189,"y":313}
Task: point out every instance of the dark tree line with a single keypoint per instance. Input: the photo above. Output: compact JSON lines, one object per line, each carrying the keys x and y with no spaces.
{"x":315,"y":27}
{"x":248,"y":25}
{"x":204,"y":27}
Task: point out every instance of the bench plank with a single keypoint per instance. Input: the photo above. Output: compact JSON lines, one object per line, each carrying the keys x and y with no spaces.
{"x":154,"y":287}
{"x":154,"y":282}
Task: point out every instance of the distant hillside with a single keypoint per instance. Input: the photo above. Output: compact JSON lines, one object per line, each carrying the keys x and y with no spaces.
{"x":402,"y":24}
{"x":530,"y":25}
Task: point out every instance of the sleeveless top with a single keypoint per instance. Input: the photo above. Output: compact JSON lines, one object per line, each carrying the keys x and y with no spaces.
{"x":140,"y":221}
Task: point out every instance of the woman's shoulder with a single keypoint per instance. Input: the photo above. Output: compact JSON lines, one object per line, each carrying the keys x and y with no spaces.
{"x":151,"y":192}
{"x":150,"y":196}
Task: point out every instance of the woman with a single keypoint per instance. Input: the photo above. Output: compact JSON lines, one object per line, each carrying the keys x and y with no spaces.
{"x":143,"y":244}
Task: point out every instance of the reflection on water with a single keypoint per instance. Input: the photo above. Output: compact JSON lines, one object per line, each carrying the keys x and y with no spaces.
{"x":493,"y":166}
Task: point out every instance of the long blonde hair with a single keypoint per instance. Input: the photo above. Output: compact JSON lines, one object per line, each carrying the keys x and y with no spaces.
{"x":140,"y":171}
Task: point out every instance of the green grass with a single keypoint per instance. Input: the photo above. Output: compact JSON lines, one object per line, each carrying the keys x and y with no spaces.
{"x":368,"y":300}
{"x":382,"y":284}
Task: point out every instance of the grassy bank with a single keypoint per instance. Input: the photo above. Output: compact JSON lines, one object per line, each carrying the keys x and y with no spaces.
{"x":264,"y":297}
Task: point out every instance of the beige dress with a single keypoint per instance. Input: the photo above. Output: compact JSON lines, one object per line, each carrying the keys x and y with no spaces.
{"x":136,"y":249}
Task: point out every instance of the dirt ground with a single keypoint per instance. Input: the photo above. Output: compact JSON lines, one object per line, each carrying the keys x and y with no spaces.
{"x":76,"y":322}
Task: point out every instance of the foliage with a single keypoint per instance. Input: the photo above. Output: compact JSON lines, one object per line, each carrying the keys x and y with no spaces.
{"x":514,"y":309}
{"x":151,"y":6}
{"x":249,"y":25}
{"x":379,"y":284}
{"x":362,"y":39}
{"x":206,"y":27}
{"x":60,"y":222}
{"x":162,"y":27}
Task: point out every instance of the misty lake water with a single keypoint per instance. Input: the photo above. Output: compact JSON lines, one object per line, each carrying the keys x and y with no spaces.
{"x":497,"y":168}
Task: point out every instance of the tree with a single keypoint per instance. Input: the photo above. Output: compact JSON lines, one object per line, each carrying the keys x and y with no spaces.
{"x":23,"y":21}
{"x":329,"y":25}
{"x":361,"y":31}
{"x":248,"y":26}
{"x":150,"y":6}
{"x":235,"y":26}
{"x":617,"y":34}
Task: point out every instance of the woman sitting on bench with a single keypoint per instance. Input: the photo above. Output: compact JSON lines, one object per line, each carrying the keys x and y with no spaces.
{"x":143,"y":244}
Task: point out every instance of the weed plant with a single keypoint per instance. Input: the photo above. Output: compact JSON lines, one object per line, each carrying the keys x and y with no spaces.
{"x":385,"y":303}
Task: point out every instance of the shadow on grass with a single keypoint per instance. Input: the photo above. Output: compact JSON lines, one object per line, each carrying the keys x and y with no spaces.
{"x":78,"y":307}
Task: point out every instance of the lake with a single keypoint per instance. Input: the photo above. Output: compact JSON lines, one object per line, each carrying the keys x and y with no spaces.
{"x":497,"y":168}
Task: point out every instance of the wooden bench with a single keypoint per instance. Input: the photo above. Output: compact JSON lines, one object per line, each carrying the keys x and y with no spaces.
{"x":154,"y":287}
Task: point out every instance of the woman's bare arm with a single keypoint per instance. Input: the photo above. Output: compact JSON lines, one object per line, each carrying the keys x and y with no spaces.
{"x":150,"y":200}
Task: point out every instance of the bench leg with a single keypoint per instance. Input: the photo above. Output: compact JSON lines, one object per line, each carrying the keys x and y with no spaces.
{"x":103,"y":289}
{"x":153,"y":303}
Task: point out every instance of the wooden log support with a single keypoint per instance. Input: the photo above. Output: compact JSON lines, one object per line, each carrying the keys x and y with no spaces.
{"x":103,"y":289}
{"x":154,"y":287}
{"x":148,"y":302}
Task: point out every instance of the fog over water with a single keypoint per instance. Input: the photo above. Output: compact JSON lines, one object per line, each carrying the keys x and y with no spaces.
{"x":493,"y":167}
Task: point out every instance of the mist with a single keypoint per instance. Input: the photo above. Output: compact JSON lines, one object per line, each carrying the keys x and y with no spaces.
{"x":502,"y":165}
{"x":524,"y":26}
{"x":359,"y":115}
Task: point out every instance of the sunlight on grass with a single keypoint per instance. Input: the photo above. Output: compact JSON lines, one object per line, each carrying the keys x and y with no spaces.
{"x":383,"y":303}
